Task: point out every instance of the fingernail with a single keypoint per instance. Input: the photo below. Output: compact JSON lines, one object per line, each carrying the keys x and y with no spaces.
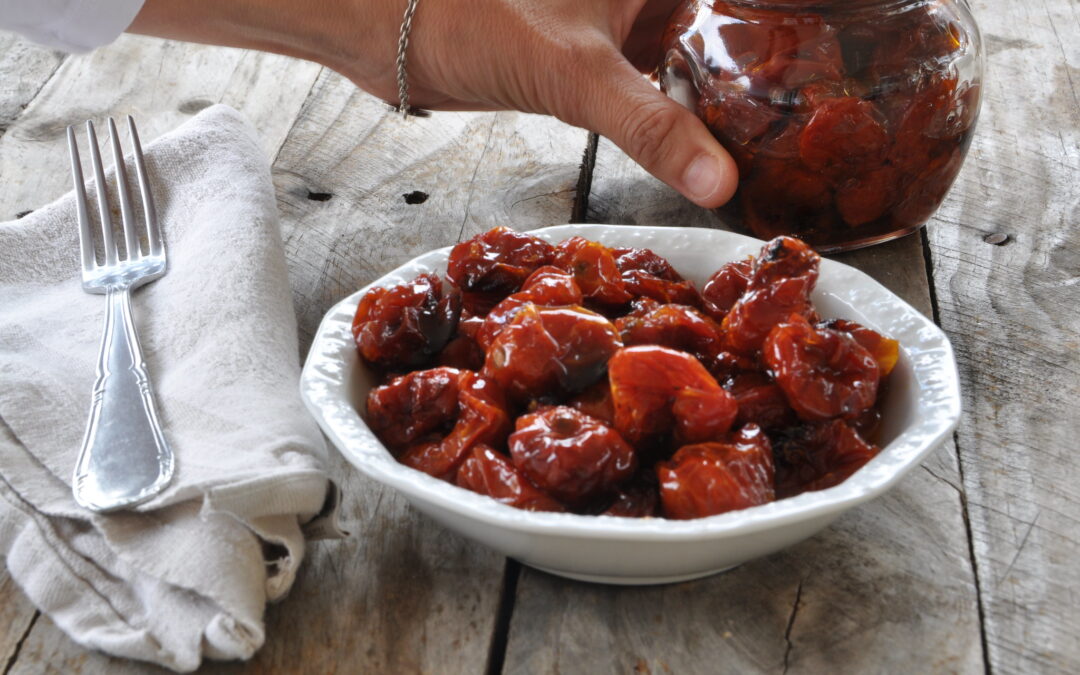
{"x":702,"y":177}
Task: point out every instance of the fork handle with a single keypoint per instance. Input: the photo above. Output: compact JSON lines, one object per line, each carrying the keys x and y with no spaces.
{"x":124,"y":458}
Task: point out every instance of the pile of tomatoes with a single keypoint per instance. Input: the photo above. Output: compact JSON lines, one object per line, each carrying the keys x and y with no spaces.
{"x":578,"y":377}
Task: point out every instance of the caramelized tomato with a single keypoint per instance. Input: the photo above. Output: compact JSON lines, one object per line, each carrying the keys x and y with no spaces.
{"x":405,"y":325}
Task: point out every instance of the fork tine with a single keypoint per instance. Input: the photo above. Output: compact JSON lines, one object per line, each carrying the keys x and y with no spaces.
{"x":131,"y":237}
{"x":86,"y":241}
{"x":153,"y":229}
{"x":102,"y":197}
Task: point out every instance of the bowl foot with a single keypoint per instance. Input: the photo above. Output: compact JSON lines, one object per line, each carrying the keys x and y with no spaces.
{"x":630,"y":580}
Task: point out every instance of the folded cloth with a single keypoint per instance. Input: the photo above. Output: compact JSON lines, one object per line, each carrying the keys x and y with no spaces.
{"x":186,"y":575}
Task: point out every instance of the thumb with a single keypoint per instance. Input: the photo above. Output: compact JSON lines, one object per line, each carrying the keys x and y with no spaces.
{"x":665,"y":138}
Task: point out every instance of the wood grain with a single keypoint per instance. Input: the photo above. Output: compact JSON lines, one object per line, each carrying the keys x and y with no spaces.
{"x":161,"y":84}
{"x":25,"y":67}
{"x":1010,"y":310}
{"x":887,"y":588}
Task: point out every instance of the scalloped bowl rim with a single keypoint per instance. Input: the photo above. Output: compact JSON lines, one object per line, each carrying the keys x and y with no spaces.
{"x":325,"y":382}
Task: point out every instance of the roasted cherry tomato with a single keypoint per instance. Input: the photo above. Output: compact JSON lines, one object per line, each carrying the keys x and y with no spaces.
{"x":640,"y":498}
{"x":413,"y":406}
{"x":548,"y":286}
{"x":707,"y":479}
{"x":596,"y":402}
{"x":781,"y":280}
{"x":844,"y":137}
{"x":824,"y":373}
{"x":497,"y":261}
{"x":479,"y":417}
{"x":594,"y":268}
{"x":725,"y":287}
{"x":818,"y":456}
{"x":486,"y":472}
{"x":405,"y":325}
{"x":573,"y":457}
{"x":676,"y":326}
{"x":761,"y":401}
{"x":885,"y":351}
{"x":546,"y":351}
{"x":646,"y":274}
{"x":658,"y":392}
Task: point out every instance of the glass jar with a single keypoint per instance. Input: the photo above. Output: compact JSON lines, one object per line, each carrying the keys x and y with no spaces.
{"x":848,"y":119}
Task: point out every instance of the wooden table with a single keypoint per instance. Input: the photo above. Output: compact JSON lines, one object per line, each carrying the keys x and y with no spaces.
{"x":972,"y":563}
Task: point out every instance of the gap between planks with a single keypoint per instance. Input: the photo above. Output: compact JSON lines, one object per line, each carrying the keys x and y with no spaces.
{"x":928,"y":258}
{"x":14,"y":658}
{"x":500,"y":636}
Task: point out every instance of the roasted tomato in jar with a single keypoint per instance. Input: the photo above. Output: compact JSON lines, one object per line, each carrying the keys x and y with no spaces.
{"x":848,"y":120}
{"x":824,"y":373}
{"x":574,"y":457}
{"x":546,"y":351}
{"x":405,"y":325}
{"x":496,"y":262}
{"x":487,"y":472}
{"x":659,"y":392}
{"x":707,"y":479}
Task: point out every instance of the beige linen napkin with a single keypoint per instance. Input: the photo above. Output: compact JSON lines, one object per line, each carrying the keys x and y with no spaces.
{"x":188,"y":574}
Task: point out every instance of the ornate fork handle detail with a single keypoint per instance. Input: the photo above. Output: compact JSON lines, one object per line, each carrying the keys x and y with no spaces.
{"x":115,"y":468}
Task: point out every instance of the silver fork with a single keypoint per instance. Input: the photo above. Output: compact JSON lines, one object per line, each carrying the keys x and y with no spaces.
{"x":124,"y":458}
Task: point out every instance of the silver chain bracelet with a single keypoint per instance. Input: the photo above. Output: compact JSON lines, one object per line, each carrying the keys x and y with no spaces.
{"x":403,"y":45}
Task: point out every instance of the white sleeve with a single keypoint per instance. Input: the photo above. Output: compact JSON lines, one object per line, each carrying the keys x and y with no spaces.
{"x":70,"y":25}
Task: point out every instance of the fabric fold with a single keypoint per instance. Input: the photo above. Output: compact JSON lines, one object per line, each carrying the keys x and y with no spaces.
{"x":186,"y":575}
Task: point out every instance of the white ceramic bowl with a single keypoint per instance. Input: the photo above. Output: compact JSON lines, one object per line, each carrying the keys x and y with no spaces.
{"x":921,"y":409}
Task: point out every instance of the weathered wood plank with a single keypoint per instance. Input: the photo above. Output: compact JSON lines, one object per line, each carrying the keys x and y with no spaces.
{"x":162,"y":84}
{"x":1011,"y":312}
{"x":887,"y":588}
{"x":24,"y":69}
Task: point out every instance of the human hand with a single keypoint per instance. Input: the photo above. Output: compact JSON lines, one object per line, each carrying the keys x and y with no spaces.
{"x":578,"y":60}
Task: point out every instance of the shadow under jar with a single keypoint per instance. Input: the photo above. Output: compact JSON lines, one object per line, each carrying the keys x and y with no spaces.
{"x":848,"y":119}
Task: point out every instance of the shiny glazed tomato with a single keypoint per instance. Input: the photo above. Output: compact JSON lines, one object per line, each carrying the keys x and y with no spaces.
{"x":658,"y":391}
{"x":496,"y":262}
{"x":405,"y":325}
{"x":574,"y":457}
{"x":486,"y":472}
{"x":707,"y":479}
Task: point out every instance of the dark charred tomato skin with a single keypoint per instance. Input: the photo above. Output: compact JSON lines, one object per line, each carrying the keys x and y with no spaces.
{"x":551,"y":351}
{"x":819,"y":456}
{"x":707,"y":479}
{"x":725,"y":287}
{"x":646,"y":274}
{"x":405,"y":325}
{"x":496,"y":262}
{"x":415,"y":416}
{"x":573,"y":457}
{"x":486,"y":472}
{"x":548,"y":286}
{"x":658,"y":391}
{"x":824,"y":373}
{"x":781,"y":280}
